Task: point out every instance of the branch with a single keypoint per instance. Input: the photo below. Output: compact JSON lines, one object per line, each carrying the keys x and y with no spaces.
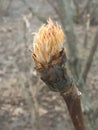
{"x":90,"y":57}
{"x":56,"y":77}
{"x":9,"y":4}
{"x":86,"y":7}
{"x":41,"y":18}
{"x":31,"y":102}
{"x":54,"y":5}
{"x":65,"y":14}
{"x":50,"y":63}
{"x":76,"y":3}
{"x":87,"y":27}
{"x":29,"y":93}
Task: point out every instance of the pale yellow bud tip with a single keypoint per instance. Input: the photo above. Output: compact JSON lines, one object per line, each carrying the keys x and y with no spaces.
{"x":47,"y":42}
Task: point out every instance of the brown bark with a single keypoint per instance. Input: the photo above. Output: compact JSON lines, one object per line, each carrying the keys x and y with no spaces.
{"x":56,"y":77}
{"x":72,"y":99}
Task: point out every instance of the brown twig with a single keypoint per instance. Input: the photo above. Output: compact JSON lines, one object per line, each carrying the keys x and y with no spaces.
{"x":72,"y":100}
{"x":50,"y":63}
{"x":57,"y":79}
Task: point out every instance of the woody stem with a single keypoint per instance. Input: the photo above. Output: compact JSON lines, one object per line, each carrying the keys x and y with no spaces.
{"x":57,"y":79}
{"x":72,"y":99}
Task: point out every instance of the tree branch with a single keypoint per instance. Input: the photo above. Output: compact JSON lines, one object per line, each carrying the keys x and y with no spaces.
{"x":76,"y":3}
{"x":64,"y":11}
{"x":57,"y":78}
{"x":41,"y":18}
{"x":86,"y":7}
{"x":90,"y":57}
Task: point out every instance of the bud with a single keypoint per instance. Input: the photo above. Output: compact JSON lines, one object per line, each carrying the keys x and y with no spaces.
{"x":48,"y":42}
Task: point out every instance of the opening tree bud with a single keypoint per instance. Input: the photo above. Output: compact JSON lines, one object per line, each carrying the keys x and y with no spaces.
{"x":48,"y":42}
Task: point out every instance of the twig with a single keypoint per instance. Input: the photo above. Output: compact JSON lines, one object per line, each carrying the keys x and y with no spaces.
{"x":90,"y":57}
{"x":67,"y":89}
{"x":9,"y":4}
{"x":29,"y":94}
{"x":26,"y":28}
{"x":76,"y":3}
{"x":87,"y":27}
{"x":41,"y":18}
{"x":54,"y":5}
{"x":86,"y":7}
{"x":73,"y":101}
{"x":67,"y":22}
{"x":30,"y":102}
{"x":64,"y":11}
{"x":51,"y":67}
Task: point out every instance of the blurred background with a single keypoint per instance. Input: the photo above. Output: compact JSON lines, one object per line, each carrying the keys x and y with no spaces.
{"x":26,"y":103}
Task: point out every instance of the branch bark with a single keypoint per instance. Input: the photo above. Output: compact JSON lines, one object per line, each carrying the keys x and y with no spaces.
{"x":73,"y":102}
{"x":57,"y":79}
